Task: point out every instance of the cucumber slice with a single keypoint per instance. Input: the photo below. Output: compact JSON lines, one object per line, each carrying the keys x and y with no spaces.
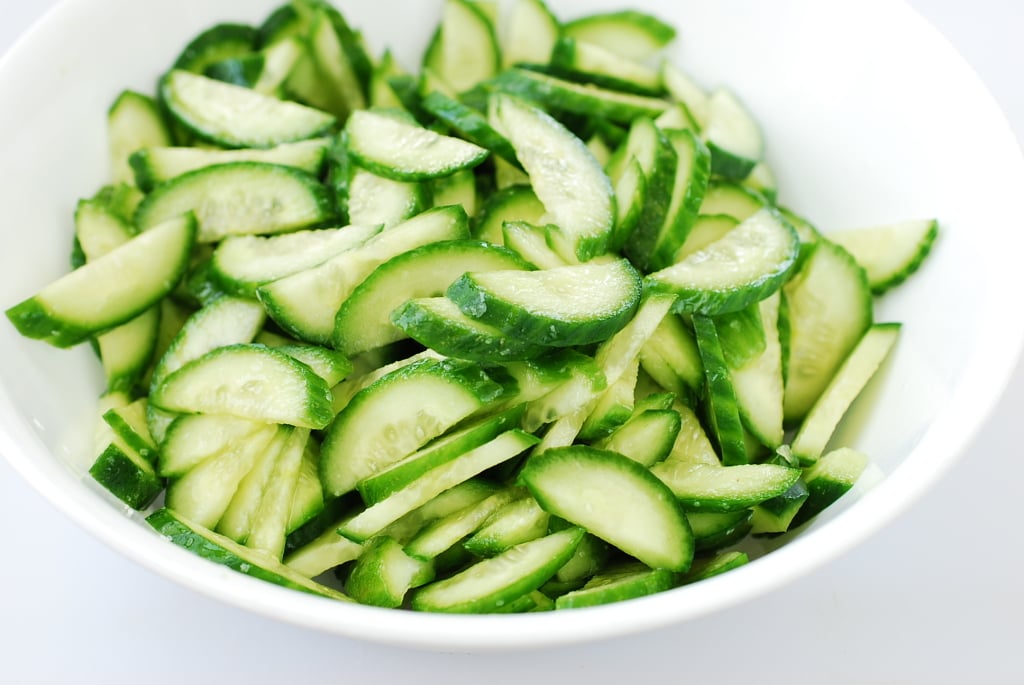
{"x":489,"y":585}
{"x":153,"y":164}
{"x":514,"y":523}
{"x":586,"y":62}
{"x":705,"y":487}
{"x":330,"y":365}
{"x":561,"y":95}
{"x":470,"y":124}
{"x":372,"y":520}
{"x":776,"y":515}
{"x":721,"y":403}
{"x":512,"y":203}
{"x":364,"y":320}
{"x":191,"y":439}
{"x":216,"y":43}
{"x":468,"y":47}
{"x":613,"y":407}
{"x":438,"y":323}
{"x":306,"y":303}
{"x":828,"y":479}
{"x":331,"y":51}
{"x":127,"y":474}
{"x":683,"y":89}
{"x":308,"y":496}
{"x":706,"y":229}
{"x":441,"y":535}
{"x":384,"y":573}
{"x":221,"y":550}
{"x":716,"y":565}
{"x":240,"y":198}
{"x":566,"y":306}
{"x":889,"y":253}
{"x":637,"y":512}
{"x":646,"y":438}
{"x":819,"y":338}
{"x":530,"y":33}
{"x":571,"y":184}
{"x":134,"y":121}
{"x":233,"y":116}
{"x":396,"y":148}
{"x":758,"y":382}
{"x":714,"y":530}
{"x":732,"y":199}
{"x":249,"y":381}
{"x":632,"y":34}
{"x":442,"y":450}
{"x":672,"y":359}
{"x":615,"y":585}
{"x":92,"y":299}
{"x":129,"y":423}
{"x":851,"y":377}
{"x":397,"y":415}
{"x":236,"y":521}
{"x":241,"y":264}
{"x":751,"y":262}
{"x":732,"y":135}
{"x":375,"y":200}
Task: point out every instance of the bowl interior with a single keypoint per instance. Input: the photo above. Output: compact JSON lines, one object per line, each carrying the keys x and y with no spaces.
{"x":869,"y":117}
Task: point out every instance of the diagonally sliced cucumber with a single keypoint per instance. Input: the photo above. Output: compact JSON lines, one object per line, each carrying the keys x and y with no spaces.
{"x":530,"y":33}
{"x":250,"y":381}
{"x":240,"y":198}
{"x":571,"y":184}
{"x":91,"y":299}
{"x":616,"y":499}
{"x":626,"y":582}
{"x":489,"y":585}
{"x":889,"y":253}
{"x":706,"y":487}
{"x":732,"y":135}
{"x":748,"y":264}
{"x":364,"y":320}
{"x":570,"y":305}
{"x":234,"y":116}
{"x":630,"y":33}
{"x":396,"y":148}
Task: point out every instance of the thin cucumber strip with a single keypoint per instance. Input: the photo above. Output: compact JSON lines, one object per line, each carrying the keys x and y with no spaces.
{"x":154,"y":164}
{"x":126,"y":473}
{"x":671,"y":357}
{"x":441,"y":535}
{"x":571,"y":184}
{"x":129,"y":423}
{"x":234,"y":116}
{"x":397,"y":415}
{"x":758,"y":382}
{"x":627,"y":582}
{"x":751,"y":262}
{"x":240,"y":198}
{"x":850,"y":378}
{"x":646,"y":438}
{"x":630,"y":33}
{"x":732,"y":135}
{"x":329,"y":364}
{"x":714,"y":530}
{"x":722,"y":405}
{"x":614,"y":498}
{"x":435,"y":481}
{"x":269,"y":524}
{"x":470,"y":124}
{"x":134,"y":121}
{"x":396,"y":148}
{"x":221,"y":550}
{"x":518,"y":521}
{"x":530,"y":33}
{"x":92,"y":299}
{"x":249,"y":381}
{"x":236,"y":521}
{"x":191,"y":439}
{"x":216,"y":43}
{"x":735,"y":200}
{"x":587,"y":62}
{"x":683,"y":89}
{"x":512,"y":203}
{"x":828,"y":479}
{"x":241,"y":264}
{"x":372,"y":199}
{"x":566,"y":306}
{"x":489,"y":585}
{"x":889,"y":253}
{"x":384,"y":573}
{"x":364,"y":320}
{"x":706,"y":487}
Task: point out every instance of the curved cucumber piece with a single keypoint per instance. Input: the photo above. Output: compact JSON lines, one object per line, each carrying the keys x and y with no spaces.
{"x":707,"y":487}
{"x":828,"y":479}
{"x":748,"y":264}
{"x":250,"y":381}
{"x":240,"y":198}
{"x":889,"y":253}
{"x":470,"y":124}
{"x":516,"y":522}
{"x":405,"y":151}
{"x":364,"y":319}
{"x":235,"y":116}
{"x":855,"y":372}
{"x":530,"y":32}
{"x":732,"y":135}
{"x":646,"y":438}
{"x":758,"y":381}
{"x":468,"y":50}
{"x":397,"y":415}
{"x":722,"y":405}
{"x":490,"y":584}
{"x":191,"y":439}
{"x":565,"y":176}
{"x":154,"y":165}
{"x":512,"y":203}
{"x":93,"y":299}
{"x":818,"y":338}
{"x":614,"y":498}
{"x":306,"y":302}
{"x":626,"y":582}
{"x":241,"y":264}
{"x":438,"y":323}
{"x":133,"y":121}
{"x":629,"y":33}
{"x":221,"y":550}
{"x":565,"y":306}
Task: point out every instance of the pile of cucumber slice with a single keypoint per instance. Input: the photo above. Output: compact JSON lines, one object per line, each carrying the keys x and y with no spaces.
{"x":524,"y":328}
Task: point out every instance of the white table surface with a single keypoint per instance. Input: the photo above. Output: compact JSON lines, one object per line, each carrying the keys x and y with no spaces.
{"x":935,"y":598}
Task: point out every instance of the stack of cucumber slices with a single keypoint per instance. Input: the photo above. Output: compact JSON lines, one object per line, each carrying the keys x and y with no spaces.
{"x":525,"y":328}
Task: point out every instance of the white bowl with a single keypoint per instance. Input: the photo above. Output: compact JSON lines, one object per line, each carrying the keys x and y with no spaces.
{"x":869,"y":117}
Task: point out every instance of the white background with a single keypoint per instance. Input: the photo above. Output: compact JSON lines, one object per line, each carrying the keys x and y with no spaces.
{"x":935,"y":598}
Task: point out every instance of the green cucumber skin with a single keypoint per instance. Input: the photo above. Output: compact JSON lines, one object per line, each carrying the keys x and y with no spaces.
{"x":219,"y":42}
{"x":470,"y":124}
{"x":129,"y":481}
{"x":611,"y":586}
{"x":538,"y":328}
{"x":220,"y":550}
{"x":727,"y":428}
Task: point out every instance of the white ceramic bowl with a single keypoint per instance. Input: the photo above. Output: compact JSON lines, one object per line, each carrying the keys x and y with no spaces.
{"x":869,"y":116}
